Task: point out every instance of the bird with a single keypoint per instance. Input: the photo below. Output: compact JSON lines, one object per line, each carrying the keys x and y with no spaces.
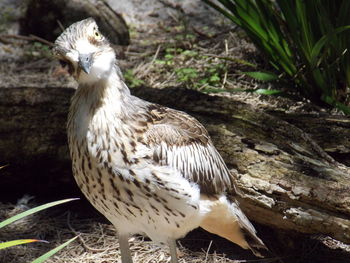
{"x":147,"y":168}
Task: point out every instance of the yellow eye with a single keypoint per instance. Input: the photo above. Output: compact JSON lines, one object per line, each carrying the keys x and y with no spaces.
{"x":97,"y":34}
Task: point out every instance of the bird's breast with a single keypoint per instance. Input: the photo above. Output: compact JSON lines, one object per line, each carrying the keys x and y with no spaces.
{"x":115,"y":171}
{"x":106,"y":138}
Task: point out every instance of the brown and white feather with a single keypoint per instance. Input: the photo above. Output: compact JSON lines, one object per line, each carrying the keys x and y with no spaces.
{"x":180,"y":141}
{"x":148,"y":168}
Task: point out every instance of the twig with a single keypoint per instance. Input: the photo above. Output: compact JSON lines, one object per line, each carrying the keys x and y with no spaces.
{"x":167,"y":80}
{"x":1,"y":167}
{"x":138,"y":54}
{"x":60,"y":25}
{"x":177,"y":7}
{"x":224,"y":80}
{"x":225,"y":75}
{"x":82,"y":241}
{"x":207,"y":252}
{"x":32,"y":65}
{"x":26,"y":38}
{"x":5,"y":41}
{"x":210,"y":36}
{"x":44,"y":41}
{"x":151,"y":63}
{"x":7,"y":36}
{"x":240,"y":61}
{"x":202,"y":34}
{"x":176,"y":19}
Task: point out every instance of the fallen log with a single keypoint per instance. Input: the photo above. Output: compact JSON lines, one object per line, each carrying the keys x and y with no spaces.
{"x":60,"y":14}
{"x":287,"y":180}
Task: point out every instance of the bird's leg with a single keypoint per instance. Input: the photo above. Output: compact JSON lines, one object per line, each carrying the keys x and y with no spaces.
{"x":173,"y":254}
{"x":125,"y":249}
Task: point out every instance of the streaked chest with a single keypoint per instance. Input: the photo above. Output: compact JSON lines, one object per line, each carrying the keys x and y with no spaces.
{"x":103,"y":137}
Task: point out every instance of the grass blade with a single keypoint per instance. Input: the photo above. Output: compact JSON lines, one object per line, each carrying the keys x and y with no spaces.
{"x":53,"y":251}
{"x":302,"y":40}
{"x":34,"y":210}
{"x":3,"y":166}
{"x":322,"y":42}
{"x":222,"y":11}
{"x":337,"y":104}
{"x":268,"y":91}
{"x":13,"y":243}
{"x":263,"y":76}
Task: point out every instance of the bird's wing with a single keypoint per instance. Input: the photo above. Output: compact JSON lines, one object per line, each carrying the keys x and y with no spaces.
{"x":180,"y":141}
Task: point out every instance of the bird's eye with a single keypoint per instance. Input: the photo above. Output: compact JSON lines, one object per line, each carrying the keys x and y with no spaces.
{"x":97,"y":34}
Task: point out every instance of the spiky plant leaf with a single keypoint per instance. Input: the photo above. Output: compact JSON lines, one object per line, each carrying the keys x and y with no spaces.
{"x":263,"y":76}
{"x":33,"y":210}
{"x":13,"y":243}
{"x":53,"y":251}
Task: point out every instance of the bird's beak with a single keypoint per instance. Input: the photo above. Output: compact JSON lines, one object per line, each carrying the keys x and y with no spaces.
{"x":85,"y":62}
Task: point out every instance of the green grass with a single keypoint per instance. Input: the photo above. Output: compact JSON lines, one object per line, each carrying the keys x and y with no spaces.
{"x":7,"y":244}
{"x":132,"y":80}
{"x":37,"y":50}
{"x":47,"y":255}
{"x":305,"y":42}
{"x":189,"y":74}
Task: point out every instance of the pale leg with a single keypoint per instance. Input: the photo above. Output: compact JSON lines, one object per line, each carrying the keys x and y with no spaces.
{"x":125,"y":249}
{"x":173,"y":254}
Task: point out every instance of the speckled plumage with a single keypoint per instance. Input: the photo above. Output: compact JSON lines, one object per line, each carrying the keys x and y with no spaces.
{"x":147,"y":168}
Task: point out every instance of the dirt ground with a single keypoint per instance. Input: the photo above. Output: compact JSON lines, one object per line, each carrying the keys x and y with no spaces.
{"x":98,"y":242}
{"x":166,"y":39}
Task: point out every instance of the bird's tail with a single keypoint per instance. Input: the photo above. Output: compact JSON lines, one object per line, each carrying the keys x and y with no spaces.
{"x":227,"y":220}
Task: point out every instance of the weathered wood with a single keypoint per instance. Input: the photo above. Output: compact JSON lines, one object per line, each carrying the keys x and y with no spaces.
{"x":287,"y":180}
{"x":42,"y":18}
{"x":332,"y":133}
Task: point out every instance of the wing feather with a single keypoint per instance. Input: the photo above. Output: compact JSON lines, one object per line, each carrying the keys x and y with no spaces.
{"x":180,"y":141}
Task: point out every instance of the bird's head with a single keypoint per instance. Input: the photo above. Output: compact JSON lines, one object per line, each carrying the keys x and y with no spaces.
{"x":86,"y":51}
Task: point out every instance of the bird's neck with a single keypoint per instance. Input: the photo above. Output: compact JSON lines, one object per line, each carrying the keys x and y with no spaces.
{"x":99,"y":105}
{"x":110,"y":91}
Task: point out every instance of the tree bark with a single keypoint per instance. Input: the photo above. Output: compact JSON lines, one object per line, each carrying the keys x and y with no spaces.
{"x":286,"y":177}
{"x":42,"y":18}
